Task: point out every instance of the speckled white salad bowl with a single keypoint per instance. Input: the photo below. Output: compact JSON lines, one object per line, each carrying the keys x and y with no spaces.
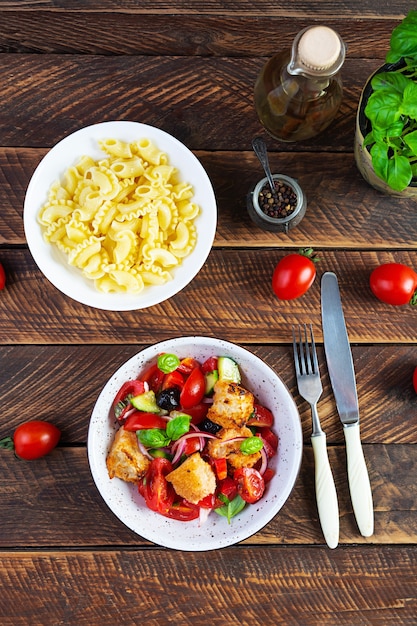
{"x":123,"y":498}
{"x":54,"y":264}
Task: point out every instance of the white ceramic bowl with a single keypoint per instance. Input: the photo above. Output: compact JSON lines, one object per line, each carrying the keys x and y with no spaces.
{"x":123,"y":498}
{"x":52,"y":262}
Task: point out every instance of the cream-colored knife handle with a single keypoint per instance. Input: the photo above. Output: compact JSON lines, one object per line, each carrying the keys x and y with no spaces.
{"x":325,"y":491}
{"x":359,"y":485}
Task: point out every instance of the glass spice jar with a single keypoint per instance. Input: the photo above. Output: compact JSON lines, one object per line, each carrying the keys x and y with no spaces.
{"x":279,"y":211}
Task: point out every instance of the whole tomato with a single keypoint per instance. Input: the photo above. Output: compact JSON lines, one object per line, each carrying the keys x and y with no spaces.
{"x":415,"y":380}
{"x":33,"y":439}
{"x":2,"y":277}
{"x":394,"y":283}
{"x":294,"y":274}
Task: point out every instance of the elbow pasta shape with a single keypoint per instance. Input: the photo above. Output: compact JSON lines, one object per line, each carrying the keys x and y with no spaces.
{"x":125,"y":221}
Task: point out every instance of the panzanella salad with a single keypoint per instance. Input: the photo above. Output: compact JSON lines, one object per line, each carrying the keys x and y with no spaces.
{"x":192,"y":438}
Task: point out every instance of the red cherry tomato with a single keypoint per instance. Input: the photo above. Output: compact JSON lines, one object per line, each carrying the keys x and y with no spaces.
{"x":154,"y":377}
{"x":261,"y":417}
{"x":121,"y":402}
{"x":228,"y":488}
{"x":2,"y":277}
{"x":270,"y":441}
{"x":159,"y":494}
{"x":173,"y":379}
{"x":415,"y":380}
{"x":394,"y":283}
{"x":250,"y":484}
{"x":35,"y":439}
{"x":139,"y":420}
{"x":193,"y":391}
{"x":198,"y":412}
{"x":294,"y":275}
{"x":183,"y":511}
{"x":209,"y":365}
{"x":187,"y":365}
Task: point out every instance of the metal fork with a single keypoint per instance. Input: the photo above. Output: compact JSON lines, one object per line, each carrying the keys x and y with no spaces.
{"x":310,"y":388}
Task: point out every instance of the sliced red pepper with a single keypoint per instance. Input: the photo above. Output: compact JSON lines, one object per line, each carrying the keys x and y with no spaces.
{"x":228,"y":488}
{"x":187,"y":365}
{"x":139,"y":420}
{"x":220,"y":468}
{"x":268,"y":475}
{"x":191,"y":445}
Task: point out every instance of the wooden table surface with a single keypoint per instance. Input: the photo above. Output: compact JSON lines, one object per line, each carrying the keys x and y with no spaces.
{"x":188,"y":67}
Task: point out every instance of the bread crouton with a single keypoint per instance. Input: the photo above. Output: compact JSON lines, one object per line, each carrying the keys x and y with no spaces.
{"x":222,"y":447}
{"x":124,"y":459}
{"x":194,"y":479}
{"x":232,"y":405}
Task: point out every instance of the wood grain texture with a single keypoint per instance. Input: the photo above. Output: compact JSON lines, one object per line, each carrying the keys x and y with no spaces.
{"x":63,"y":383}
{"x":54,"y":503}
{"x":343,"y":211}
{"x":274,"y":587}
{"x":176,"y":94}
{"x":35,"y":312}
{"x":234,"y":34}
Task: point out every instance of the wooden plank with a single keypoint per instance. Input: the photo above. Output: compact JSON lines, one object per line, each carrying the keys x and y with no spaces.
{"x":134,"y":32}
{"x":53,"y":502}
{"x":343,"y":211}
{"x":63,"y":383}
{"x":272,"y":586}
{"x":33,"y":311}
{"x":207,"y":103}
{"x":356,"y":8}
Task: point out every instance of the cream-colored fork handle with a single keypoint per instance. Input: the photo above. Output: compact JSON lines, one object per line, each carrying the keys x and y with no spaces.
{"x":359,"y":485}
{"x":325,"y":491}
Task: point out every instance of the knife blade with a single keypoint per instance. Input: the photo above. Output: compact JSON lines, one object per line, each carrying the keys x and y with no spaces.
{"x":343,"y":381}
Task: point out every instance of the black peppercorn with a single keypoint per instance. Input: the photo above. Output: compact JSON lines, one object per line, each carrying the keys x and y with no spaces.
{"x":279,"y":204}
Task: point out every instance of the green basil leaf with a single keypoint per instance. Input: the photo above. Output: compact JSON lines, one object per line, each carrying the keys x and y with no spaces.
{"x":232,"y":508}
{"x":153,"y":438}
{"x":394,"y":82}
{"x":403,"y":42}
{"x":399,"y":173}
{"x":250,"y":445}
{"x":178,"y":426}
{"x":168,"y":362}
{"x":379,"y":155}
{"x":411,"y":141}
{"x":382,"y":108}
{"x":409,"y":103}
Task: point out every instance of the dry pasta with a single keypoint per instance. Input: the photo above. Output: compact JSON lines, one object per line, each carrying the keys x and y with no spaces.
{"x":125,"y":221}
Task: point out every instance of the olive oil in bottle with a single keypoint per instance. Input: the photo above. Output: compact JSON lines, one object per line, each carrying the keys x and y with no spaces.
{"x":298,"y":92}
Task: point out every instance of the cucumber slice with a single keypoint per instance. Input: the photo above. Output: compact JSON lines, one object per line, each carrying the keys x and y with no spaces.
{"x":145,"y":402}
{"x":211,"y":380}
{"x":228,"y":369}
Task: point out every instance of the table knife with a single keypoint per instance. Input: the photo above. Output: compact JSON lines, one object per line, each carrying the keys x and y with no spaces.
{"x":342,"y":378}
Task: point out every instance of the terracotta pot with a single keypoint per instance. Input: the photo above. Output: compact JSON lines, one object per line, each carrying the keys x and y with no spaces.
{"x":362,"y":156}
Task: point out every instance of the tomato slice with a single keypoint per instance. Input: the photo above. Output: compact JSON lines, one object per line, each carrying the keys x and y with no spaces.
{"x":198,"y":412}
{"x":154,"y":377}
{"x":268,"y":475}
{"x":270,"y":441}
{"x":183,"y":511}
{"x":159,"y":494}
{"x":193,"y":391}
{"x":139,"y":420}
{"x":173,"y":379}
{"x":121,"y":402}
{"x":191,"y":445}
{"x":250,"y":484}
{"x":261,"y":417}
{"x":228,"y":488}
{"x":209,"y":365}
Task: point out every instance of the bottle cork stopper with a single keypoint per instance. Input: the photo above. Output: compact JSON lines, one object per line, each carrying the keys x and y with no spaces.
{"x":319,"y":48}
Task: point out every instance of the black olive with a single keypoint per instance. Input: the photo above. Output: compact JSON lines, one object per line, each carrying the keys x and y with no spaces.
{"x":208,"y":426}
{"x":168,"y":399}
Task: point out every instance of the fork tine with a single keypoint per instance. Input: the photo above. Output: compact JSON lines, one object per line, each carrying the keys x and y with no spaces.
{"x":296,"y":354}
